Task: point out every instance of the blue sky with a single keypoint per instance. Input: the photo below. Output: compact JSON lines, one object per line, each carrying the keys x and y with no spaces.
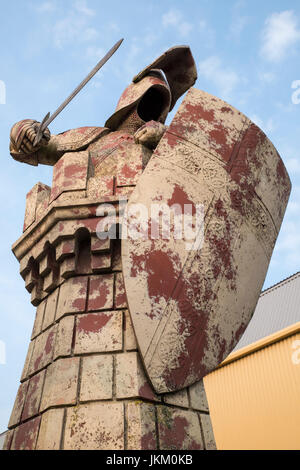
{"x":247,"y":52}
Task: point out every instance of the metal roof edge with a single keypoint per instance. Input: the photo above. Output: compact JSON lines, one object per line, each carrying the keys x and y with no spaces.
{"x":280,"y":283}
{"x":261,"y":344}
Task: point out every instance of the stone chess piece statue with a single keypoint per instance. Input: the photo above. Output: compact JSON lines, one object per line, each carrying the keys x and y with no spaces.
{"x":83,"y":348}
{"x":127,"y":329}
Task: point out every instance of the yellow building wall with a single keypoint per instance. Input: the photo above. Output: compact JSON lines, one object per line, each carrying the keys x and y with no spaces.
{"x":254,"y":395}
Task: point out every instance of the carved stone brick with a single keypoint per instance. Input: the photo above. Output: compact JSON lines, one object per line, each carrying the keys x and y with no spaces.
{"x":97,"y":378}
{"x":61,"y":383}
{"x":95,"y":426}
{"x":99,"y":332}
{"x":50,"y":430}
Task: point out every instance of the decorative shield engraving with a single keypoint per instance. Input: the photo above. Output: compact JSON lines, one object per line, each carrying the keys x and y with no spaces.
{"x":189,"y":307}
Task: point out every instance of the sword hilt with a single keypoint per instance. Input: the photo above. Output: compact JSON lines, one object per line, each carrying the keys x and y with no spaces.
{"x":40,"y":130}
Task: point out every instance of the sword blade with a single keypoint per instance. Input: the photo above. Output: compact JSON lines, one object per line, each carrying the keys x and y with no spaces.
{"x":47,"y":120}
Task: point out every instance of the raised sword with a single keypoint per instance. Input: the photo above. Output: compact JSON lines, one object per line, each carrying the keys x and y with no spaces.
{"x":49,"y":118}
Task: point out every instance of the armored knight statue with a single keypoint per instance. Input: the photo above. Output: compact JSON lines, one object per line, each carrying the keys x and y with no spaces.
{"x":141,"y":317}
{"x":139,"y":117}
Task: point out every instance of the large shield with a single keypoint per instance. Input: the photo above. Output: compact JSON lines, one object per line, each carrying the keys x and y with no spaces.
{"x":190,"y":304}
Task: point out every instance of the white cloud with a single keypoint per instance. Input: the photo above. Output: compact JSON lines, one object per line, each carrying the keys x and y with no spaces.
{"x":238,"y":25}
{"x":290,"y":239}
{"x":95,"y":53}
{"x":267,"y":126}
{"x":267,"y":77}
{"x":134,"y":54}
{"x":81,"y":7}
{"x":222,"y":76}
{"x":287,"y":108}
{"x":239,"y":20}
{"x":293,"y":165}
{"x":287,"y":249}
{"x":279,"y":35}
{"x":270,"y":126}
{"x":206,"y":32}
{"x":294,"y":208}
{"x":184,"y":28}
{"x":150,"y":38}
{"x":46,"y":7}
{"x":89,"y":34}
{"x":113,"y":27}
{"x":75,"y":26}
{"x":174,"y":18}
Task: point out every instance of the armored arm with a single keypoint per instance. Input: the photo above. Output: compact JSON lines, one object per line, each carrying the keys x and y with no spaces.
{"x":21,"y":147}
{"x":51,"y":148}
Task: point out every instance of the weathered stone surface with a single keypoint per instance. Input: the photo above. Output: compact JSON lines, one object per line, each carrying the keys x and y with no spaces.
{"x":198,"y":397}
{"x":116,"y":258}
{"x":100,"y":188}
{"x":25,"y":436}
{"x":50,"y":309}
{"x":141,"y":427}
{"x":64,"y":337}
{"x":120,"y":295}
{"x":25,"y":372}
{"x":30,"y":280}
{"x":100,"y":246}
{"x":64,"y":249}
{"x":178,"y":429}
{"x":43,"y":350}
{"x":72,"y":296}
{"x":44,"y":265}
{"x":129,"y":336}
{"x":61,"y":221}
{"x":96,"y":378}
{"x":50,"y":430}
{"x":131,"y":381}
{"x":101,"y":292}
{"x":95,"y":426}
{"x":179,"y":398}
{"x":39,"y":317}
{"x":130,"y":167}
{"x":70,"y":173}
{"x":8,"y":440}
{"x":68,"y":267}
{"x":71,"y":196}
{"x":16,"y":413}
{"x":98,"y":332}
{"x":100,"y":262}
{"x":208,"y":434}
{"x":33,"y":396}
{"x":61,"y":383}
{"x":36,"y":197}
{"x":213,"y":158}
{"x":124,"y":190}
{"x":37,"y":294}
{"x":50,"y":282}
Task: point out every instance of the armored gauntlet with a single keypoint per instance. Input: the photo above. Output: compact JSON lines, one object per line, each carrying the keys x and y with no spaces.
{"x":22,"y":136}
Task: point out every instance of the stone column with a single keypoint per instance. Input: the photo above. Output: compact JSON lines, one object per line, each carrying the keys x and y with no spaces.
{"x":83,"y":385}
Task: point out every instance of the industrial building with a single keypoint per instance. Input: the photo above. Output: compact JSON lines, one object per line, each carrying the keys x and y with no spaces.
{"x":254,"y":395}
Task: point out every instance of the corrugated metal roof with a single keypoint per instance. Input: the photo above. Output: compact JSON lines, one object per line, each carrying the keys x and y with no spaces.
{"x":277,"y":308}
